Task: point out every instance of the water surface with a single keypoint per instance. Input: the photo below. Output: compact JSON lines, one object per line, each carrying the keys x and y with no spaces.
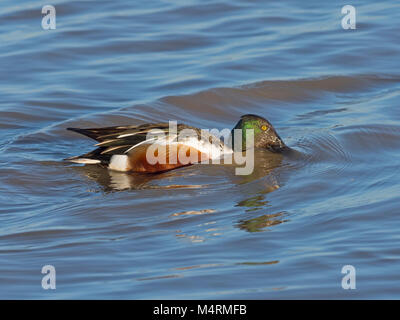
{"x":285,"y":231}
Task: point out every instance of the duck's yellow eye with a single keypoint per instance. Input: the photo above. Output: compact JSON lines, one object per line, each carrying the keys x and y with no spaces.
{"x":264,"y":128}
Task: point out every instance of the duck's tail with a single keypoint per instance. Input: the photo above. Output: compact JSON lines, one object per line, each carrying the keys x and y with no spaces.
{"x":81,"y":159}
{"x":92,"y":157}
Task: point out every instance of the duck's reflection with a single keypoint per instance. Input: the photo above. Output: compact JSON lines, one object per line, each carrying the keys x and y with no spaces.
{"x":265,"y":163}
{"x":258,"y":203}
{"x":254,"y":189}
{"x":110,"y":180}
{"x":262,"y":222}
{"x":113,"y":181}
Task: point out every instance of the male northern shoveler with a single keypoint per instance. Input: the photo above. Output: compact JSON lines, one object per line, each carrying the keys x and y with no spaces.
{"x":125,"y":148}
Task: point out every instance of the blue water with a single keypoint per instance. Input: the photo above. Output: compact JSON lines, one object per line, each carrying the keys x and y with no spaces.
{"x":201,"y":232}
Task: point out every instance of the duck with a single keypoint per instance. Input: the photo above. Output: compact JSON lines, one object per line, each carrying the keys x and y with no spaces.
{"x":127,"y":148}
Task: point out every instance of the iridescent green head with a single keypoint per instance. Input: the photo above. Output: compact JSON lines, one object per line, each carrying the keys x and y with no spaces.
{"x":265,"y":135}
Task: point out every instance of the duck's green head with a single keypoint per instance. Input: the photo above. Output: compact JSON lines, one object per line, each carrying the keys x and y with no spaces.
{"x":265,"y":135}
